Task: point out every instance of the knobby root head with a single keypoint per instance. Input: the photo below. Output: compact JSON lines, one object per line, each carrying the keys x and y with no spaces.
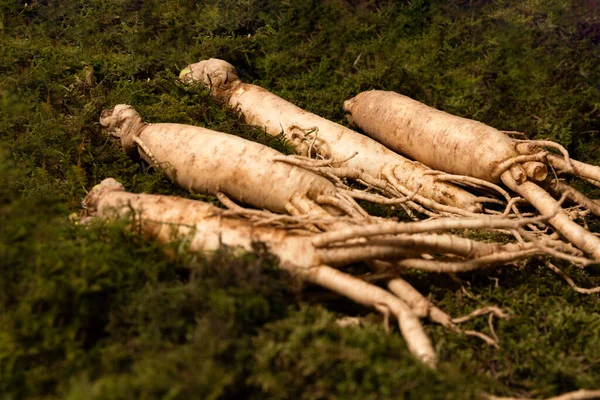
{"x":122,"y":122}
{"x":90,"y":202}
{"x":216,"y":74}
{"x":348,"y":104}
{"x":113,"y":119}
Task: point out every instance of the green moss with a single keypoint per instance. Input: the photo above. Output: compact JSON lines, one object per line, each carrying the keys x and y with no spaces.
{"x":97,"y":313}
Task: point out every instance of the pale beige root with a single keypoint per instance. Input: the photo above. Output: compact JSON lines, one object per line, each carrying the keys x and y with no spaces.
{"x":296,"y":219}
{"x":558,"y":188}
{"x":536,"y":170}
{"x":218,"y":75}
{"x":491,"y":312}
{"x":466,"y":265}
{"x":212,"y":227}
{"x":166,"y":218}
{"x":545,"y":204}
{"x":397,"y":192}
{"x":267,"y":218}
{"x":528,"y":146}
{"x":411,"y":239}
{"x":385,"y":302}
{"x":428,"y":226}
{"x":568,"y":279}
{"x":552,"y":240}
{"x":391,"y":175}
{"x":167,"y":212}
{"x":425,"y":308}
{"x":314,"y":136}
{"x":481,"y":311}
{"x":348,"y":321}
{"x":561,"y":190}
{"x":206,"y":161}
{"x":403,"y":246}
{"x":389,"y":184}
{"x":587,"y":171}
{"x":465,"y":147}
{"x":459,"y":266}
{"x":564,"y":164}
{"x":480,"y":183}
{"x":437,"y":139}
{"x":581,"y":394}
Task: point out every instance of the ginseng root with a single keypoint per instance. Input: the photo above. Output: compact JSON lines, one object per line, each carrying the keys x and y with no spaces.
{"x":357,"y":157}
{"x":166,"y":219}
{"x":465,"y":147}
{"x":224,"y":165}
{"x":187,"y":155}
{"x":306,"y":254}
{"x":210,"y":162}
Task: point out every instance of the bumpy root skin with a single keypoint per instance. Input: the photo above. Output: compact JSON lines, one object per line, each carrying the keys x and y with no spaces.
{"x":208,"y":162}
{"x":404,"y":125}
{"x":545,"y":204}
{"x":559,"y":188}
{"x":364,"y":293}
{"x":467,"y":265}
{"x":465,"y":147}
{"x":429,"y":226}
{"x":316,"y":136}
{"x":165,"y":218}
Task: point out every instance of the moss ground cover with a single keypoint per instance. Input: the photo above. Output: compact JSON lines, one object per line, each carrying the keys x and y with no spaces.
{"x":95,"y":313}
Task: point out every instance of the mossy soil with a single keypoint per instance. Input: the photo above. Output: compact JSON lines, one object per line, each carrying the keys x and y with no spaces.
{"x":97,"y":313}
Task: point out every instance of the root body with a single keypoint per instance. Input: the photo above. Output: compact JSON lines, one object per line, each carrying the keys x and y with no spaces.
{"x":314,"y":136}
{"x":437,"y":139}
{"x":545,"y":204}
{"x":465,"y":147}
{"x":166,"y":219}
{"x":209,"y":162}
